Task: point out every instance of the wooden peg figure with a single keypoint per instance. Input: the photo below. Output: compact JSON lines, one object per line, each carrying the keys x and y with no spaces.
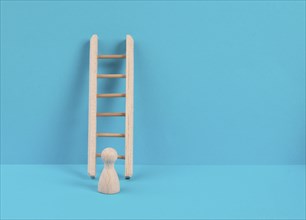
{"x":109,"y":181}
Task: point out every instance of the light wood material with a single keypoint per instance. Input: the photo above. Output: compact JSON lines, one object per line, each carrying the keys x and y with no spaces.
{"x":109,"y":114}
{"x":110,"y":135}
{"x":129,"y":124}
{"x":112,"y":56}
{"x":109,"y":180}
{"x":111,"y":95}
{"x":92,"y":126}
{"x":111,"y":75}
{"x":92,"y":112}
{"x":119,"y":156}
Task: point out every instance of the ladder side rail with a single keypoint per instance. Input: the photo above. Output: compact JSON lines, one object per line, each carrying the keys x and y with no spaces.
{"x":129,"y":125}
{"x":92,"y":111}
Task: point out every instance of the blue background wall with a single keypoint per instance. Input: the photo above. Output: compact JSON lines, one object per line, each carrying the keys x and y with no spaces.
{"x":215,"y":82}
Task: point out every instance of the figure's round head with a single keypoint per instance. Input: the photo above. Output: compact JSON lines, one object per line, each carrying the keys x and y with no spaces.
{"x":109,"y":155}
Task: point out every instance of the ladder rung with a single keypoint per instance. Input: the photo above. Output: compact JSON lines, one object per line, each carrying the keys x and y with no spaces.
{"x":111,"y":75}
{"x":110,"y":135}
{"x":119,"y":156}
{"x":107,"y":114}
{"x":111,"y":95}
{"x":112,"y":56}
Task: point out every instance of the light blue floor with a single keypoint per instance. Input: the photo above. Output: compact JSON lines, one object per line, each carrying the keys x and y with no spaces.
{"x":177,"y":192}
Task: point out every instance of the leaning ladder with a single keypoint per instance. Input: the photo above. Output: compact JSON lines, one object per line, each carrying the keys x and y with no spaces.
{"x":128,"y":114}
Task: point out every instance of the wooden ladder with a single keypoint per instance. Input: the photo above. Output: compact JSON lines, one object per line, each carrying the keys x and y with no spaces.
{"x":129,"y":111}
